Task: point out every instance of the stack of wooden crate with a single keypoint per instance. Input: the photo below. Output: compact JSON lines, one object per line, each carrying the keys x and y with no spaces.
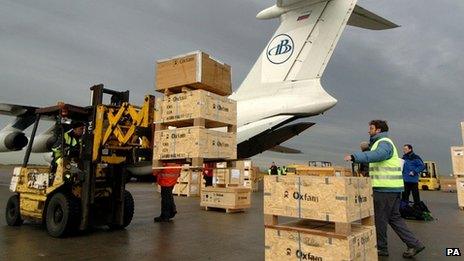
{"x":457,"y":160}
{"x":194,"y":86}
{"x":188,"y":183}
{"x":227,"y":191}
{"x":332,"y":218}
{"x":227,"y":177}
{"x":249,"y":173}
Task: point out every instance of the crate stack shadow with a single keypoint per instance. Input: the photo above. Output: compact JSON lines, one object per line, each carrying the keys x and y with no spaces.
{"x":194,"y":121}
{"x":324,"y":218}
{"x":457,"y":160}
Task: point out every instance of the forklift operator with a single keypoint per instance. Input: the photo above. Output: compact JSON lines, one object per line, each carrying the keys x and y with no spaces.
{"x":72,"y":140}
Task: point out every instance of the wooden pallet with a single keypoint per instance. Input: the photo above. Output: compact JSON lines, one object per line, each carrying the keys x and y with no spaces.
{"x":228,"y":210}
{"x":226,"y":185}
{"x":341,"y":229}
{"x":196,"y":122}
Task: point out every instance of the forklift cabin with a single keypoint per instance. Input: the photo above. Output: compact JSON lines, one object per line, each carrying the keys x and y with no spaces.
{"x":85,"y":191}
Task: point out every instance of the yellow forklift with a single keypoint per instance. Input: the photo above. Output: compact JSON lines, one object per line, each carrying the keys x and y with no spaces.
{"x":428,"y":179}
{"x":87,"y":189}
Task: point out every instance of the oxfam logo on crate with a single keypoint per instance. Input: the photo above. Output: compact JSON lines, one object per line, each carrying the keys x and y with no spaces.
{"x":280,"y":49}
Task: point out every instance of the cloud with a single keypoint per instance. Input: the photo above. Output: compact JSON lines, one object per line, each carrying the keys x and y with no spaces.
{"x":411,"y":76}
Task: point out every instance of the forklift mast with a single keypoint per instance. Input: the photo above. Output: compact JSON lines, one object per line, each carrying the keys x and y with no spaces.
{"x":112,"y":139}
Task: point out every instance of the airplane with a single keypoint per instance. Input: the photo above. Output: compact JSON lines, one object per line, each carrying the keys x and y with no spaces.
{"x":283,"y":86}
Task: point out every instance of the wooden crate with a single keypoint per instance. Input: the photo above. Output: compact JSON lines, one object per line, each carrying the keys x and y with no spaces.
{"x":189,"y":176}
{"x":248,"y":183}
{"x":181,"y":109}
{"x":460,"y":191}
{"x":336,"y":199}
{"x":243,"y":164}
{"x":457,"y":160}
{"x":197,"y":70}
{"x":309,"y":240}
{"x":187,"y":189}
{"x":227,"y":176}
{"x":448,"y":184}
{"x":231,"y":199}
{"x":319,"y":171}
{"x":194,"y":142}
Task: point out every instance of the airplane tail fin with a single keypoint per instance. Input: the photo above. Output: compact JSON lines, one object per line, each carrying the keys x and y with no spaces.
{"x":302,"y":45}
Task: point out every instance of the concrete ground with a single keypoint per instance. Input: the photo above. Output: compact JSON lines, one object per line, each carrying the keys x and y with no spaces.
{"x":196,"y":234}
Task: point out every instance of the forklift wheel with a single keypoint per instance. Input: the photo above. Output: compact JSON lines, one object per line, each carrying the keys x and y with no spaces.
{"x":12,"y":213}
{"x":128,"y":211}
{"x":63,"y":213}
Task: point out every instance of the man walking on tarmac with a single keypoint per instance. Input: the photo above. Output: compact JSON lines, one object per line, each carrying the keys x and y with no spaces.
{"x":387,"y":182}
{"x":167,"y":178}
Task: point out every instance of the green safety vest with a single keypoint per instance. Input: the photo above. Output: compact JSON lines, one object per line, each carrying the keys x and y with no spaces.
{"x":69,"y":141}
{"x":386,"y":174}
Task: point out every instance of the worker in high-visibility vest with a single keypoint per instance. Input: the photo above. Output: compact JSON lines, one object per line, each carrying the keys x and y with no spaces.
{"x":72,"y":144}
{"x":387,"y":182}
{"x":167,"y":179}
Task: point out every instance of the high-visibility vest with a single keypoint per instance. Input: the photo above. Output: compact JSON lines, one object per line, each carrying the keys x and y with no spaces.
{"x":167,"y":177}
{"x":386,"y":174}
{"x":68,"y":141}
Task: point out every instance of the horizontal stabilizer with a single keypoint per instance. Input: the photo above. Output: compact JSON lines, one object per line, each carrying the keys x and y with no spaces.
{"x":269,"y":139}
{"x":283,"y":149}
{"x":16,"y":110}
{"x":368,"y":20}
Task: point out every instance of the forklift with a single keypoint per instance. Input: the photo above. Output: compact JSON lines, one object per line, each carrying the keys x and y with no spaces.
{"x":428,"y":179}
{"x":87,"y":189}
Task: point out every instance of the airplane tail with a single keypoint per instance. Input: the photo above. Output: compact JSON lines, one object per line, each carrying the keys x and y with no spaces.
{"x":302,"y":45}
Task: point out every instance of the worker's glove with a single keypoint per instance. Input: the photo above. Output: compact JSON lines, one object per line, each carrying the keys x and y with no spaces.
{"x":411,"y":173}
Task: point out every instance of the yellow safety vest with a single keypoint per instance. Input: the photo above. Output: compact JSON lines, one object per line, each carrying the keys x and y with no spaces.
{"x":69,"y":141}
{"x":386,"y":174}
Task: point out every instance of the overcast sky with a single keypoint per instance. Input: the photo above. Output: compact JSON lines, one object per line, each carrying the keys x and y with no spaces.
{"x":411,"y":76}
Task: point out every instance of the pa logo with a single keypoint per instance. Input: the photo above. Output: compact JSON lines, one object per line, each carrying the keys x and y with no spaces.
{"x":453,"y":252}
{"x":280,"y":49}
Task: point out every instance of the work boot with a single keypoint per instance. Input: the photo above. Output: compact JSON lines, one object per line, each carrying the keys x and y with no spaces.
{"x":173,"y":213}
{"x":412,"y":251}
{"x":160,"y":219}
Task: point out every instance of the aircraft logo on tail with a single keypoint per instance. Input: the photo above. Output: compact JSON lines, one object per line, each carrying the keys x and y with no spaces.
{"x":280,"y":49}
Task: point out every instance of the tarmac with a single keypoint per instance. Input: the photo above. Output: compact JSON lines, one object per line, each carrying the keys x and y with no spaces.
{"x":196,"y":234}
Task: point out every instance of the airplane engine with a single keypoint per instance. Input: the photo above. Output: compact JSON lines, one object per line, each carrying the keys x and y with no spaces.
{"x":43,"y":143}
{"x":12,"y":141}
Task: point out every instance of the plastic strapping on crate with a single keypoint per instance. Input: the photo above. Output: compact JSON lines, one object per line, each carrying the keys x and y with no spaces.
{"x":177,"y":104}
{"x":299,"y":201}
{"x":359,"y":198}
{"x":217,"y":108}
{"x":174,"y":143}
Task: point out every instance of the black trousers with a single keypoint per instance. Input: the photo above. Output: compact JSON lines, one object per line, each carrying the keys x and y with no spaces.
{"x":208,"y":181}
{"x":168,"y":207}
{"x":411,"y":187}
{"x":387,"y":212}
